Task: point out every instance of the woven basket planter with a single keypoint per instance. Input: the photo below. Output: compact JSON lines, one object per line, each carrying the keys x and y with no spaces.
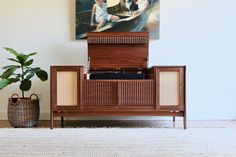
{"x":23,"y":112}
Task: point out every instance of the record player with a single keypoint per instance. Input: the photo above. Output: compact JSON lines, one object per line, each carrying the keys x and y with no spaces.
{"x":118,"y":57}
{"x":118,"y":81}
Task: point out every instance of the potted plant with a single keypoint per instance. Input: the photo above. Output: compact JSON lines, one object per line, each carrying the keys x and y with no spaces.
{"x":22,"y":111}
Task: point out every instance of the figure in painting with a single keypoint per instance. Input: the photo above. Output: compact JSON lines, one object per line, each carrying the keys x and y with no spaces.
{"x":101,"y":15}
{"x":142,"y":6}
{"x":134,"y":7}
{"x":128,"y":5}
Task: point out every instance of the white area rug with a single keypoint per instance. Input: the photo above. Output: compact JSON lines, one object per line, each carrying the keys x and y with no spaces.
{"x":118,"y":142}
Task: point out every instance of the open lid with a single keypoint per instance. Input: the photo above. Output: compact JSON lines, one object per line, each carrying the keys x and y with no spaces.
{"x":118,"y":50}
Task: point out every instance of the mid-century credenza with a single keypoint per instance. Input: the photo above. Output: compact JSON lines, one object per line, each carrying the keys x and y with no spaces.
{"x":118,"y":81}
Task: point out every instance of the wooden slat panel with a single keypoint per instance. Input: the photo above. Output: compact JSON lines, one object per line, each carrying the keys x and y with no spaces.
{"x":118,"y":37}
{"x":100,"y":93}
{"x":139,"y":93}
{"x":117,"y":40}
{"x":122,"y":92}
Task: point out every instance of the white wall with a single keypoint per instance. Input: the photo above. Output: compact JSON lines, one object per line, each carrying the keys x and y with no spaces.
{"x":200,"y":34}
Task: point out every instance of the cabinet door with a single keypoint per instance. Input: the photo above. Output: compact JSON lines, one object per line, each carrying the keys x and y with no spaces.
{"x":66,"y":87}
{"x":172,"y":88}
{"x":136,"y":94}
{"x":118,"y":94}
{"x":99,"y":94}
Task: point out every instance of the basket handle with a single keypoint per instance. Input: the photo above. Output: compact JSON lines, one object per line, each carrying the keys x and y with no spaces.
{"x":18,"y":97}
{"x":34,"y":95}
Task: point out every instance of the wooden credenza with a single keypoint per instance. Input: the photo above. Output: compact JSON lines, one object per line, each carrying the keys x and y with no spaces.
{"x":161,"y":93}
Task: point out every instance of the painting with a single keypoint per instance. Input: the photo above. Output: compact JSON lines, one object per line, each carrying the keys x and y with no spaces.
{"x":117,"y":16}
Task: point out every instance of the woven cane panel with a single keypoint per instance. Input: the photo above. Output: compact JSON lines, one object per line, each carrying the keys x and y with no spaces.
{"x":100,"y":93}
{"x":67,"y":88}
{"x":138,"y":93}
{"x":169,"y":88}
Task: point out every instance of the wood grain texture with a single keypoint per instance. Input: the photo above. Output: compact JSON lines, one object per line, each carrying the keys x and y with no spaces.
{"x":121,"y":97}
{"x":100,"y":93}
{"x":54,"y":88}
{"x":118,"y":51}
{"x":136,"y":93}
{"x":118,"y":37}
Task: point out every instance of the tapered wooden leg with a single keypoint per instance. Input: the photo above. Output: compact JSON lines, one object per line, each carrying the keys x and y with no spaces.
{"x":62,"y":122}
{"x":174,"y":122}
{"x":52,"y":119}
{"x":185,"y":121}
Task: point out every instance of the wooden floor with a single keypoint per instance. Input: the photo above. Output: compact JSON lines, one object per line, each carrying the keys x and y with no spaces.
{"x":131,"y":124}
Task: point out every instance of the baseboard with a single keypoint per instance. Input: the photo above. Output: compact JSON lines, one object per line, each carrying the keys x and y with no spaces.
{"x":231,"y":116}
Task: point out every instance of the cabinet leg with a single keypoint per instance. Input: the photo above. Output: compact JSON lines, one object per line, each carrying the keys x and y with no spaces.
{"x":62,"y":122}
{"x":185,"y":122}
{"x":174,"y":122}
{"x":52,"y":120}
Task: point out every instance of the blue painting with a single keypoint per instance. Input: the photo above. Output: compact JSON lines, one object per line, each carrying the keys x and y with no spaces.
{"x":117,"y":16}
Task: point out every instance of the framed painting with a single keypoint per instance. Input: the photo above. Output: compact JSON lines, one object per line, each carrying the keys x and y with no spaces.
{"x":117,"y":16}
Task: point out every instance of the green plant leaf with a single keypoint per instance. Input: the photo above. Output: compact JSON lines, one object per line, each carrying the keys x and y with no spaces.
{"x":29,"y":76}
{"x":29,"y":62}
{"x":21,"y":58}
{"x":18,"y":75}
{"x":6,"y":82}
{"x":25,"y":85}
{"x":11,"y":66}
{"x":8,"y":73}
{"x":42,"y":75}
{"x":14,"y":52}
{"x":31,"y":70}
{"x":35,"y":69}
{"x":14,"y":80}
{"x":14,"y":60}
{"x":31,"y":54}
